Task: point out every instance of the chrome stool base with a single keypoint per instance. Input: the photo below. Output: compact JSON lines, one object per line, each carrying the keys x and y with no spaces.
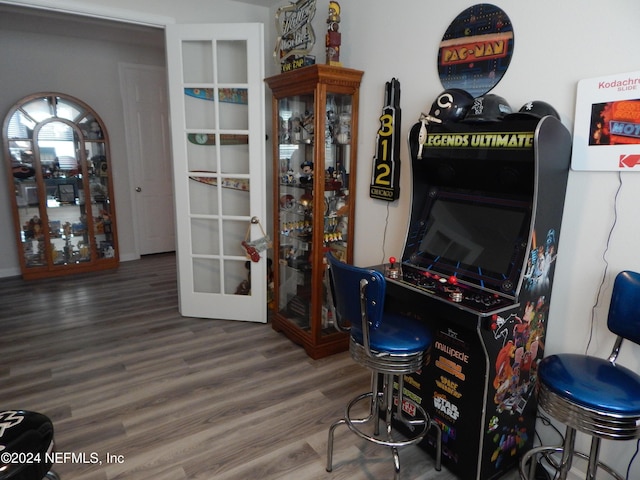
{"x":528,"y":472}
{"x":384,"y":400}
{"x":598,"y":425}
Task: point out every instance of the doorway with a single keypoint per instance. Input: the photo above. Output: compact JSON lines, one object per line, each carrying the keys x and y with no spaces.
{"x":79,"y":56}
{"x":144,"y":101}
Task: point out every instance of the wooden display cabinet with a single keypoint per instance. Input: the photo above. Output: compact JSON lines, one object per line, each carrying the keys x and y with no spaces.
{"x":315,"y":123}
{"x":56,"y":151}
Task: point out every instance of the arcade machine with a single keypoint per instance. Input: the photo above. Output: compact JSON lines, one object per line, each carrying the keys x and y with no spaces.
{"x":477,"y":266}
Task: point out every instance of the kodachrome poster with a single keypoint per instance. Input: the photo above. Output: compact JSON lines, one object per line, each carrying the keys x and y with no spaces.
{"x":606,"y":134}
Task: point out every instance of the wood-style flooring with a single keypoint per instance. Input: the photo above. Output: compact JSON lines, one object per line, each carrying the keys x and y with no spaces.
{"x":110,"y":360}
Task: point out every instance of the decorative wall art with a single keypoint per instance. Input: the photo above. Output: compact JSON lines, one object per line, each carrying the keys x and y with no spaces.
{"x":606,"y":134}
{"x":476,"y":49}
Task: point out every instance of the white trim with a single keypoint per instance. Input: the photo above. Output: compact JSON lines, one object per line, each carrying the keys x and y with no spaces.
{"x":104,"y":12}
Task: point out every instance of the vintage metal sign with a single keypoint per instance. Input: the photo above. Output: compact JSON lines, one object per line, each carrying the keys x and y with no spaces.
{"x":295,"y":32}
{"x":476,"y":49}
{"x":385,"y":181}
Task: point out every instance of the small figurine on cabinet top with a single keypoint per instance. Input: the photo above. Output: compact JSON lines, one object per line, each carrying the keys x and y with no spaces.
{"x":333,"y":38}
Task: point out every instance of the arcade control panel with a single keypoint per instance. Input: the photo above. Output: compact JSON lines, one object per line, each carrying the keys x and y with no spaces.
{"x":447,"y":289}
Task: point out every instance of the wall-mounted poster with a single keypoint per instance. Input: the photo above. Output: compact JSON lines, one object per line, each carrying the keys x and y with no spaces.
{"x":476,"y":49}
{"x":606,"y":134}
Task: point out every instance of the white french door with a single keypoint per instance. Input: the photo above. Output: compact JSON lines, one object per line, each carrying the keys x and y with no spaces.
{"x":217,"y":107}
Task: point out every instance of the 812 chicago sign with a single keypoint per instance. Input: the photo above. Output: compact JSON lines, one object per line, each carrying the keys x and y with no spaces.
{"x":385,"y":181}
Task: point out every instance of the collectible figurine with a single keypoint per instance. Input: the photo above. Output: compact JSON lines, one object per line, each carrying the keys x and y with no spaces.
{"x":333,"y":38}
{"x":307,"y":172}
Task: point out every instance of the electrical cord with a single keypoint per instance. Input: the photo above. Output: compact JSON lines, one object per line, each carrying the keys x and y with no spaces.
{"x":606,"y":263}
{"x":542,"y":472}
{"x":384,"y":235}
{"x":633,"y":458}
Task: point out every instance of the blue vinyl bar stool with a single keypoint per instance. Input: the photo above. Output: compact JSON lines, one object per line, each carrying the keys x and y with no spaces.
{"x":592,"y":395}
{"x":27,"y":439}
{"x":389,"y":345}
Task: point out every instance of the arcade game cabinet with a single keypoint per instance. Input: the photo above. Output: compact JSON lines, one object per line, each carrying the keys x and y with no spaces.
{"x":477,"y":266}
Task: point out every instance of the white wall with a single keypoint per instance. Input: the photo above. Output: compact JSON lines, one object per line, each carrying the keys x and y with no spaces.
{"x":557,"y":43}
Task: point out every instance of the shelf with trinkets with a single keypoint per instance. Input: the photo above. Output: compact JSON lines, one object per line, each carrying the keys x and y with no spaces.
{"x":315,"y":113}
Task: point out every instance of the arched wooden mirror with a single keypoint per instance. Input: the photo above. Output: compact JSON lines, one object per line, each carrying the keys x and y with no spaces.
{"x":57,"y":153}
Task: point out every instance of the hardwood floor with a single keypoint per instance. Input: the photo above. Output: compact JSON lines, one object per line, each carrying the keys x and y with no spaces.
{"x":110,"y":360}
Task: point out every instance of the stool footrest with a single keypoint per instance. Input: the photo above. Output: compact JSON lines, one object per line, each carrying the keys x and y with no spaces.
{"x":353,"y":423}
{"x":527,"y":471}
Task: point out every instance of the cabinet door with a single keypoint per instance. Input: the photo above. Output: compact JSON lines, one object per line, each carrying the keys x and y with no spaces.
{"x":295,"y":216}
{"x":216,"y":96}
{"x":313,"y":204}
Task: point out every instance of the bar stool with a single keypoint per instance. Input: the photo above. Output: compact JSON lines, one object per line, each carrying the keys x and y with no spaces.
{"x":26,"y":444}
{"x":389,"y":345}
{"x":592,"y":395}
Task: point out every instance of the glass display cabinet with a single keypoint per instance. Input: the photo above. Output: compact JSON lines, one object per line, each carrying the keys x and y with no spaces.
{"x":315,"y":122}
{"x":57,"y":155}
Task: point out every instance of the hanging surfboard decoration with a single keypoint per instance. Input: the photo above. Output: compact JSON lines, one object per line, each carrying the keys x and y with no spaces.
{"x":385,"y":181}
{"x":232,"y":183}
{"x":225,"y":138}
{"x":476,"y":49}
{"x":225,"y":95}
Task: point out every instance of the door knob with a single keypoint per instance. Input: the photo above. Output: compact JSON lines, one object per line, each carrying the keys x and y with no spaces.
{"x":138,"y":189}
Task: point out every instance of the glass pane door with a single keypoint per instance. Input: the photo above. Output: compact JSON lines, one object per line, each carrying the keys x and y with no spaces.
{"x":217,"y":105}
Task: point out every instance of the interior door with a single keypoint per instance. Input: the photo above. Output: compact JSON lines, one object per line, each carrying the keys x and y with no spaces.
{"x":217,"y":112}
{"x":144,"y":95}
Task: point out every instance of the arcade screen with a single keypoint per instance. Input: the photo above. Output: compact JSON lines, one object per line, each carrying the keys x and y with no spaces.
{"x":479,"y":239}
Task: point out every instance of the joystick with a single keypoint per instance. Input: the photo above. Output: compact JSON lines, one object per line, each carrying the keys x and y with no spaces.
{"x":392,"y":269}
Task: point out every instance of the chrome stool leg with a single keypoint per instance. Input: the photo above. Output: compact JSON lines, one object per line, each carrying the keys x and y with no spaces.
{"x":386,"y":397}
{"x":333,"y":427}
{"x":375,"y":402}
{"x":396,"y":463}
{"x":567,"y":453}
{"x":593,"y":458}
{"x":563,"y":466}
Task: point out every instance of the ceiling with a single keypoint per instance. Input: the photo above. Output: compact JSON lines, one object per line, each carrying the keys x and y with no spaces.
{"x":20,"y":18}
{"x":26,"y":19}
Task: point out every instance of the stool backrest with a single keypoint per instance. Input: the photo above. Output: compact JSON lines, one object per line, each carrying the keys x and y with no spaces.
{"x":624,"y":310}
{"x":346,"y":290}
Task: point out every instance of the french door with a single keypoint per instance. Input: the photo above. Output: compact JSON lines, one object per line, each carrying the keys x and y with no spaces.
{"x":216,"y":95}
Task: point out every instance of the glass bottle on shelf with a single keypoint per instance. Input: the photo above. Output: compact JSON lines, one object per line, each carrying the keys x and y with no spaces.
{"x":315,"y":124}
